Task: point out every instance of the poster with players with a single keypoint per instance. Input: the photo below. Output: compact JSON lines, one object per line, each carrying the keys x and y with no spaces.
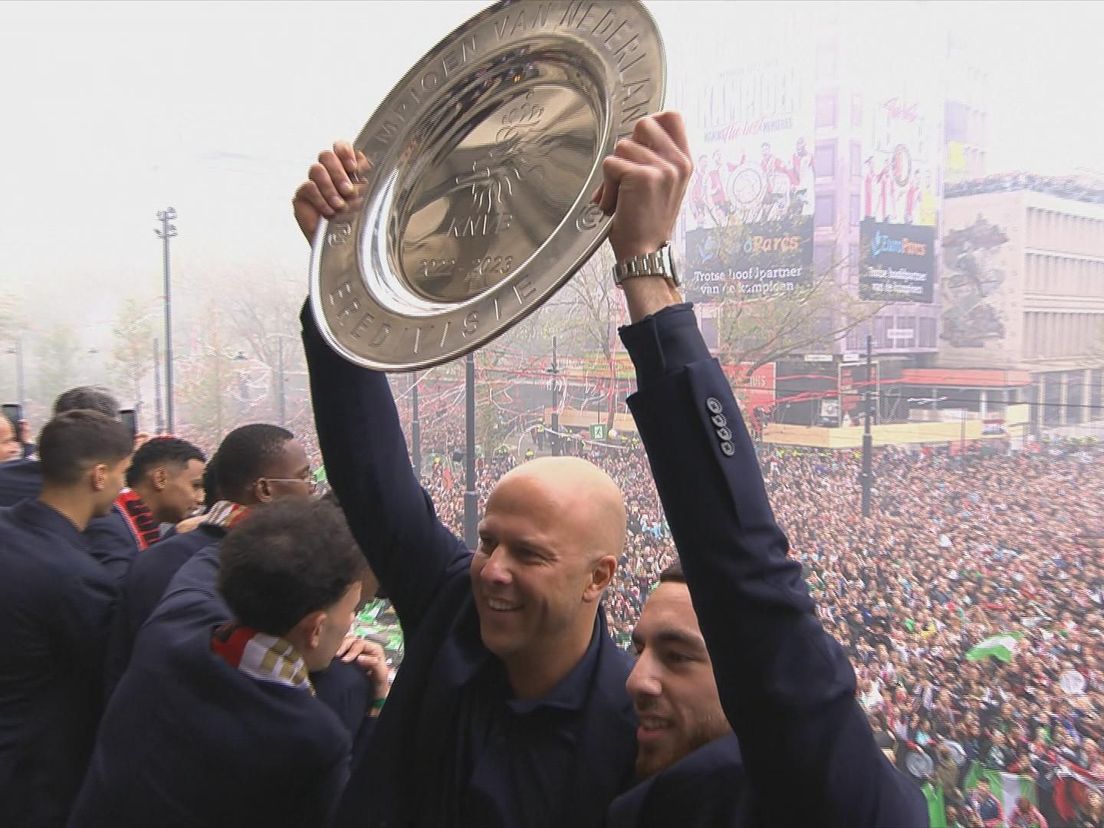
{"x":749,"y":208}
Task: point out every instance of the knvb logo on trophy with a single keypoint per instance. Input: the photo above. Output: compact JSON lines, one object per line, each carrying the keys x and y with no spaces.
{"x":898,"y":264}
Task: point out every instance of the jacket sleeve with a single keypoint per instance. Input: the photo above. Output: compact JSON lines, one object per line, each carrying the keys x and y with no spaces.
{"x":390,"y":514}
{"x":786,"y":686}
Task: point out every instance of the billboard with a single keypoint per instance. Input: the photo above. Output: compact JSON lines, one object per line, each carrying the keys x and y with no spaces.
{"x":899,"y":200}
{"x":749,"y":209}
{"x":897,"y":262}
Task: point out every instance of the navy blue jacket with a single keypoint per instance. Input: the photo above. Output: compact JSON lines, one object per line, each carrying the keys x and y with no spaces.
{"x":141,"y":591}
{"x":19,"y":480}
{"x":110,"y":540}
{"x":189,"y":740}
{"x":344,"y":688}
{"x":55,"y":611}
{"x":424,"y":569}
{"x":706,"y":789}
{"x":786,"y":686}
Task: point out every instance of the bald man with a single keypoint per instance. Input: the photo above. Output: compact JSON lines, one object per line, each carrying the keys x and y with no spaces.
{"x":510,"y":708}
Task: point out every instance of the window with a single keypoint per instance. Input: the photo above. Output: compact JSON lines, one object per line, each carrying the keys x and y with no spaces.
{"x":856,"y":111}
{"x":881,"y":325}
{"x":856,"y":159}
{"x":826,"y":109}
{"x":824,"y":255}
{"x":855,"y":208}
{"x":926,"y":332}
{"x":824,"y":161}
{"x":824,"y":211}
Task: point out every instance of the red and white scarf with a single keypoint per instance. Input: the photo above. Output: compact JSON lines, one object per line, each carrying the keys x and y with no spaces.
{"x":139,"y":518}
{"x":261,"y":656}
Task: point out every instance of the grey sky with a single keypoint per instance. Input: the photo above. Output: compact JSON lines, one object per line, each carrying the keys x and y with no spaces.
{"x":115,"y":110}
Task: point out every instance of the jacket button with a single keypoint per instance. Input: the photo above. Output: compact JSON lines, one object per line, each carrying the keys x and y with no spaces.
{"x":719,"y":420}
{"x":727,"y":449}
{"x":714,"y":405}
{"x":724,"y":434}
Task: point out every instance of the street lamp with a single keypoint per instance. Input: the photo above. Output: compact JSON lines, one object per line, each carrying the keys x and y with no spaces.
{"x":166,"y":232}
{"x":20,"y":388}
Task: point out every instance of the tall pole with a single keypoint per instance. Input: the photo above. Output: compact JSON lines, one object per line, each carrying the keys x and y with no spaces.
{"x":166,"y":232}
{"x":158,"y":414}
{"x":555,"y":435}
{"x":868,"y":441}
{"x":281,"y":401}
{"x":415,"y":426}
{"x":471,"y":503}
{"x":20,"y":386}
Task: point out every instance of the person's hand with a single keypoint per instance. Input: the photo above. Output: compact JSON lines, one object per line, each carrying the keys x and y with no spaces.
{"x":188,"y":524}
{"x":645,"y":181}
{"x":331,"y":187}
{"x":370,"y":657}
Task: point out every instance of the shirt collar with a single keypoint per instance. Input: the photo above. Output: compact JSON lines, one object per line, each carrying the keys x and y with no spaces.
{"x":572,"y":691}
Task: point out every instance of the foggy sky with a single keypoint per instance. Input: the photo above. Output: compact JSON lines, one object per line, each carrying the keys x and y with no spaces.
{"x":113,"y":111}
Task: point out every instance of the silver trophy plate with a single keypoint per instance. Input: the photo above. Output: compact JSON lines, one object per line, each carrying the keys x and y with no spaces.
{"x":474,"y":200}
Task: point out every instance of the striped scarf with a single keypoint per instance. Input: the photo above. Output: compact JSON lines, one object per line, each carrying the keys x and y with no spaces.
{"x":139,"y":518}
{"x":261,"y":656}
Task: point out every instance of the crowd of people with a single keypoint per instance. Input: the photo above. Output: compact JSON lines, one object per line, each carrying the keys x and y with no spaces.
{"x":956,"y":550}
{"x":1077,"y":189}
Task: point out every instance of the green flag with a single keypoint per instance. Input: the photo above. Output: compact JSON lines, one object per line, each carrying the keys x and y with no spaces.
{"x":1002,"y":646}
{"x":937,"y":811}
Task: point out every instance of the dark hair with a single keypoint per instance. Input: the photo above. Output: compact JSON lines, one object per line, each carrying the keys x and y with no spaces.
{"x":245,"y":452}
{"x":74,"y":441}
{"x":158,"y":451}
{"x":89,"y":398}
{"x":212,"y":492}
{"x":286,"y":560}
{"x":672,"y":574}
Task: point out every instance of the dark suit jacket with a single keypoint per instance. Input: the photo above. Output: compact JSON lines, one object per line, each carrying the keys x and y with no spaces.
{"x":786,"y":686}
{"x":55,"y":608}
{"x":19,"y":479}
{"x":706,"y":789}
{"x":189,"y":740}
{"x":424,"y":569}
{"x":344,"y":688}
{"x":142,"y":588}
{"x":110,"y":540}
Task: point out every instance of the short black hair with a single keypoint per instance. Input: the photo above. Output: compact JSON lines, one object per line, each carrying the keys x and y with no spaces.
{"x":672,"y":574}
{"x":158,"y":451}
{"x":88,"y":398}
{"x":244,"y":454}
{"x":212,"y":492}
{"x":74,"y":441}
{"x":287,"y":559}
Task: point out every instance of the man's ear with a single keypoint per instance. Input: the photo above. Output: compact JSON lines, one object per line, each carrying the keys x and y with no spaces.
{"x":601,"y":573}
{"x":97,"y":477}
{"x":309,"y":629}
{"x":262,"y":490}
{"x":160,"y":478}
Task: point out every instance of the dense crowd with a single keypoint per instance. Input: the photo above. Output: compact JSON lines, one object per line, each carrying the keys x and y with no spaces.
{"x":1077,"y":189}
{"x":956,"y":550}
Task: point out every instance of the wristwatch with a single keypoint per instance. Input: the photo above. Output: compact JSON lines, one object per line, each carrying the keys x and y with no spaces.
{"x":660,"y":263}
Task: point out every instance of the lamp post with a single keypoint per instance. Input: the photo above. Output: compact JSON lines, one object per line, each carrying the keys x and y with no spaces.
{"x":555,"y":423}
{"x":166,"y":232}
{"x":471,"y":502}
{"x":415,"y":427}
{"x":867,"y":441}
{"x":20,"y":386}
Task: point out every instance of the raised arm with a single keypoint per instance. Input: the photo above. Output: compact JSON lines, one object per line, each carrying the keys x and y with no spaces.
{"x":390,"y":514}
{"x":786,"y":686}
